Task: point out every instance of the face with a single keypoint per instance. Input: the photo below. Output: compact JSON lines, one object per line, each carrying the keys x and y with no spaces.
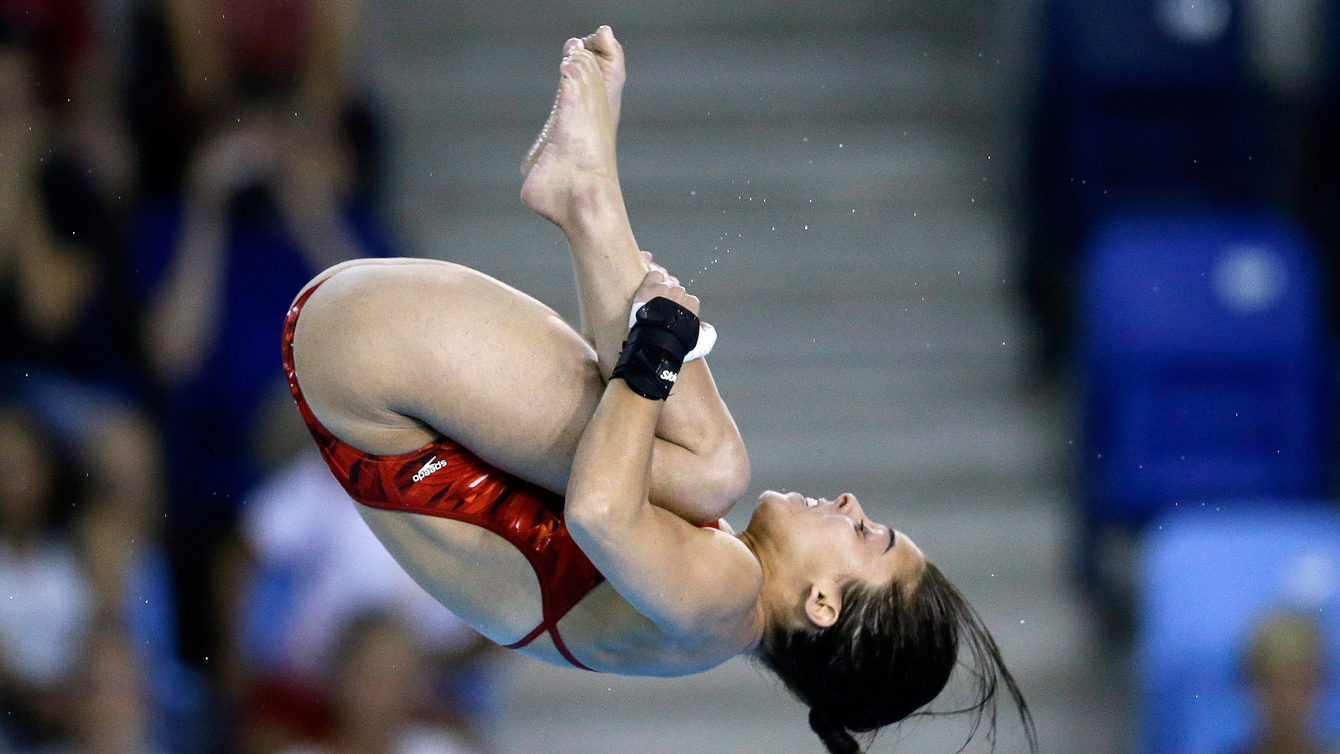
{"x":833,"y":540}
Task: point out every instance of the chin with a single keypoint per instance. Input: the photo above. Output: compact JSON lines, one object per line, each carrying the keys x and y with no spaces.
{"x":773,"y":507}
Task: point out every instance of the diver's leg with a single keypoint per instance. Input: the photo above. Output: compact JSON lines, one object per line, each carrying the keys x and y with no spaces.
{"x":393,"y":354}
{"x":574,"y":183}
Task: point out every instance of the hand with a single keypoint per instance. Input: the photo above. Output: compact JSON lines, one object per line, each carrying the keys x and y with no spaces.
{"x":658,"y":283}
{"x":230,"y":162}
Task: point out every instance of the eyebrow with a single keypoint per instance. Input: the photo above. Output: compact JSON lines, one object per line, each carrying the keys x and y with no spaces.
{"x":892,"y":537}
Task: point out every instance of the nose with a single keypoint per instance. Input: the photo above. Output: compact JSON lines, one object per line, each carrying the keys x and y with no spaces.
{"x":847,"y":503}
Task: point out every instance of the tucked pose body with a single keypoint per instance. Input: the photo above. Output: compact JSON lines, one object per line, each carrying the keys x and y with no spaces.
{"x":563,"y":513}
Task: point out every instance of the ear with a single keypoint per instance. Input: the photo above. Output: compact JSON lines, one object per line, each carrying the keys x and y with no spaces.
{"x":823,"y":605}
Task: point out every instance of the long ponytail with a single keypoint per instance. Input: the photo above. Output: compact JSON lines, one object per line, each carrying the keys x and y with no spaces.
{"x":830,"y":731}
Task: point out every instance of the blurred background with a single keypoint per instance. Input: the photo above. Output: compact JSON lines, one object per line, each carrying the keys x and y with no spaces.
{"x":1049,"y":284}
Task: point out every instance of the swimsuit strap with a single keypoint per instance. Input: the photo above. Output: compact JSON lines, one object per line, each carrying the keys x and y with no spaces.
{"x":290,"y":370}
{"x":558,"y":642}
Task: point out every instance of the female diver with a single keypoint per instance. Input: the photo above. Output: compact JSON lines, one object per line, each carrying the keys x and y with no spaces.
{"x":533,"y":479}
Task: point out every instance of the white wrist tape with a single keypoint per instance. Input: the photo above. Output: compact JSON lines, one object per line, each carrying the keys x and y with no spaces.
{"x":707,"y":335}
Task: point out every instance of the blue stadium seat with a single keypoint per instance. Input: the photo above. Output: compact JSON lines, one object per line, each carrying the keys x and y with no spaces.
{"x":1152,"y":101}
{"x":1208,"y":577}
{"x":1180,"y":46}
{"x":1140,"y":103}
{"x":1202,"y":364}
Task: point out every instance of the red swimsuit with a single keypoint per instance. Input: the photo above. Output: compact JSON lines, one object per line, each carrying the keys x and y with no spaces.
{"x":444,"y":479}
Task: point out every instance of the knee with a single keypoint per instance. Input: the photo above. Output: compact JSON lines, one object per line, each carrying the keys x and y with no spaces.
{"x":727,"y":476}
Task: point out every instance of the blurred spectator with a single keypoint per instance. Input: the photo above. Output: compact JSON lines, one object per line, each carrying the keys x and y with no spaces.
{"x":47,"y":598}
{"x":120,"y":536}
{"x":266,"y":208}
{"x":198,"y":64}
{"x":60,"y":287}
{"x":71,"y":352}
{"x":377,"y":688}
{"x":1284,"y":670}
{"x":256,"y":165}
{"x":316,"y":567}
{"x":75,"y":77}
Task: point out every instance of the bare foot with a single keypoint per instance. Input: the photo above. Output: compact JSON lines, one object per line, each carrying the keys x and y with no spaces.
{"x":577,"y":154}
{"x":609,"y":54}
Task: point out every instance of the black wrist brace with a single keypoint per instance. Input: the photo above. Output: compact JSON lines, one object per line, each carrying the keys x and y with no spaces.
{"x":654,"y":352}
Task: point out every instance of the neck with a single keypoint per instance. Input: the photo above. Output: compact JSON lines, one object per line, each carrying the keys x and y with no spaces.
{"x":762,"y":615}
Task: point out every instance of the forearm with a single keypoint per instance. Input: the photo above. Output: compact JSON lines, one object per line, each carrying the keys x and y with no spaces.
{"x":185,"y":309}
{"x":609,"y":478}
{"x":702,"y":472}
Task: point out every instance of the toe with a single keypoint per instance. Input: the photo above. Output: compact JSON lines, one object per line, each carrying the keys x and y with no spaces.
{"x":602,"y":40}
{"x":572,"y":44}
{"x":584,"y":58}
{"x":609,"y":44}
{"x":603,"y":43}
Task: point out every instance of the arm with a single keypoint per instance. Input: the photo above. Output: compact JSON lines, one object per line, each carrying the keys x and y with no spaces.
{"x":683,"y":578}
{"x":184,"y":314}
{"x":686,"y":580}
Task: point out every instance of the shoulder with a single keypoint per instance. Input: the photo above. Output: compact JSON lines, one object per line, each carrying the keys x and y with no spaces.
{"x":722,"y":587}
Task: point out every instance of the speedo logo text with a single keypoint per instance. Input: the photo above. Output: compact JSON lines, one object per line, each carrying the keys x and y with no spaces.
{"x":433,"y":465}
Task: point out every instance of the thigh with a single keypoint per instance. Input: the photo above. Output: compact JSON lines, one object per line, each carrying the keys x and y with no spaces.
{"x":391,"y":355}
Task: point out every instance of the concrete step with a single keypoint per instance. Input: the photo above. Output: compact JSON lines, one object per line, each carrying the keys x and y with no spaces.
{"x":739,"y":251}
{"x":978,"y":450}
{"x":736,"y":76}
{"x":417,"y":19}
{"x":777,"y":166}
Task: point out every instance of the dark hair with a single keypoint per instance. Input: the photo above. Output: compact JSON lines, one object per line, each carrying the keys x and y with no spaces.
{"x":887,"y":656}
